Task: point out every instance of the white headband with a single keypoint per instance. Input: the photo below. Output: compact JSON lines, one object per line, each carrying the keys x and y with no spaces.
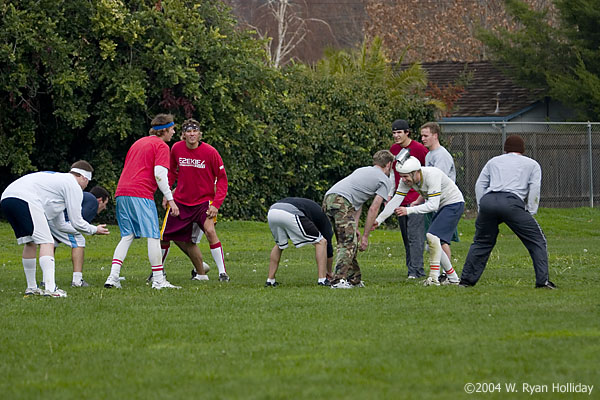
{"x":83,"y":172}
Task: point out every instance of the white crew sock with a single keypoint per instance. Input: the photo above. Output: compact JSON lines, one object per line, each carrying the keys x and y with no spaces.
{"x":120,"y":254}
{"x":447,"y":265}
{"x":77,"y":277}
{"x":216,"y":250}
{"x":29,"y":268}
{"x":47,"y":265}
{"x":435,"y":250}
{"x":164,"y":248}
{"x":155,"y":257}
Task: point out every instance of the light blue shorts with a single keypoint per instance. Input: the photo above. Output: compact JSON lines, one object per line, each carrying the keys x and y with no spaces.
{"x":137,"y":216}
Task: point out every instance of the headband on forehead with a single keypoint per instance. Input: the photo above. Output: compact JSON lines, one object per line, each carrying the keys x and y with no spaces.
{"x":191,"y":127}
{"x":82,"y":172}
{"x":165,"y":126}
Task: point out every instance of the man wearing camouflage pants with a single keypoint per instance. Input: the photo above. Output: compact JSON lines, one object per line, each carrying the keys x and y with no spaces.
{"x":343,"y":205}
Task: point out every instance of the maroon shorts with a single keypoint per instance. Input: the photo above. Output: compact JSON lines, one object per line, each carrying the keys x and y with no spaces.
{"x":183,"y":227}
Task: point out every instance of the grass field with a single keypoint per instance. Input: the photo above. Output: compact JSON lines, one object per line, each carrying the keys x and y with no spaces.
{"x":393,"y":339}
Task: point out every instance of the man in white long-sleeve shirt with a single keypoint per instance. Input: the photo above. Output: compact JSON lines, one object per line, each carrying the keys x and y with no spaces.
{"x":33,"y":200}
{"x":508,"y":190}
{"x":443,"y":197}
{"x":145,"y":170}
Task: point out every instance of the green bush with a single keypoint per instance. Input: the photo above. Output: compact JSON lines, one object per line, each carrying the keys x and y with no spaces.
{"x":82,"y":79}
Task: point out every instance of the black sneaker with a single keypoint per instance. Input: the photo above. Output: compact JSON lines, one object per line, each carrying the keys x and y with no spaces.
{"x":326,"y":282}
{"x":442,"y":278}
{"x":547,"y":285}
{"x":224,"y":277}
{"x":269,"y":284}
{"x":464,"y":284}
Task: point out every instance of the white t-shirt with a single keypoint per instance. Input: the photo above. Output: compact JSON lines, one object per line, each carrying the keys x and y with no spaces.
{"x":53,"y":192}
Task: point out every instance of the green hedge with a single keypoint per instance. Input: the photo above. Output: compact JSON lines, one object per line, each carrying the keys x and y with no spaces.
{"x":82,"y":79}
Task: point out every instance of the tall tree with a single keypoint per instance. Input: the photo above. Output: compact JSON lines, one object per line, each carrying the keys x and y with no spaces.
{"x":561,"y":56}
{"x":429,"y":30}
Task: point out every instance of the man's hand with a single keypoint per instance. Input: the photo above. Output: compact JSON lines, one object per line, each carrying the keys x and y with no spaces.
{"x":101,"y":230}
{"x":364,"y":243}
{"x":174,"y":209}
{"x":212,"y":211}
{"x":401,"y":211}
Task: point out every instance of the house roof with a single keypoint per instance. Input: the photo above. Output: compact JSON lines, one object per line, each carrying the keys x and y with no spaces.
{"x":488,"y":94}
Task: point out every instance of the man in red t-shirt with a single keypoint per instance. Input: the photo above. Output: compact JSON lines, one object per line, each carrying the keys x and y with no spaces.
{"x":412,"y":226}
{"x":145,"y":170}
{"x":198,"y":170}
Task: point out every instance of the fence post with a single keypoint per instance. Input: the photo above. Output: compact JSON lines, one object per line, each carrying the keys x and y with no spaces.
{"x":503,"y":136}
{"x":589,"y":126}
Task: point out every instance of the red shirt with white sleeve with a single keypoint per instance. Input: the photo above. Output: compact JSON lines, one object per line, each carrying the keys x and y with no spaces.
{"x":137,"y":178}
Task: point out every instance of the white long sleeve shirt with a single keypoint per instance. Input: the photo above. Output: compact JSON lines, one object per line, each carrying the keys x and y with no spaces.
{"x":513,"y":173}
{"x":53,"y":192}
{"x":436,"y":188}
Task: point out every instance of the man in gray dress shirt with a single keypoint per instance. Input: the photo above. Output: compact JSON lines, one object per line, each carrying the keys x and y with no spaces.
{"x":508,"y":190}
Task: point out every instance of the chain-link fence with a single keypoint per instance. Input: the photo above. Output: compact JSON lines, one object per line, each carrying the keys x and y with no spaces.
{"x":569,"y":154}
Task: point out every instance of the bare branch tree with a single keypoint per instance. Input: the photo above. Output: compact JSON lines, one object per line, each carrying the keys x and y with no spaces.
{"x":291,"y":30}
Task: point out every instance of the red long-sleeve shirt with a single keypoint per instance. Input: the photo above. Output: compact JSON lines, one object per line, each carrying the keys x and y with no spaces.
{"x":199,"y":173}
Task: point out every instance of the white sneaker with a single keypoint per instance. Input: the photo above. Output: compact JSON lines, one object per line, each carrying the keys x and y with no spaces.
{"x":431,"y":282}
{"x":447,"y":282}
{"x":56,"y":293}
{"x":342,"y":284}
{"x":112,"y":282}
{"x":34,"y":292}
{"x":164,"y":284}
{"x":200,"y":277}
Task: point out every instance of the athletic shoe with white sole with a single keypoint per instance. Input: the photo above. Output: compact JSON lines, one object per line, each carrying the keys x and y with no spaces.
{"x":224,"y":277}
{"x":431,"y":282}
{"x":342,"y":284}
{"x":326,"y":282}
{"x":448,"y":282}
{"x":34,"y":292}
{"x":195,"y":274}
{"x":164,"y":284}
{"x":82,"y":283}
{"x":56,"y":293}
{"x":198,"y":277}
{"x":269,"y":284}
{"x":150,"y":277}
{"x":112,"y":282}
{"x":547,"y":285}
